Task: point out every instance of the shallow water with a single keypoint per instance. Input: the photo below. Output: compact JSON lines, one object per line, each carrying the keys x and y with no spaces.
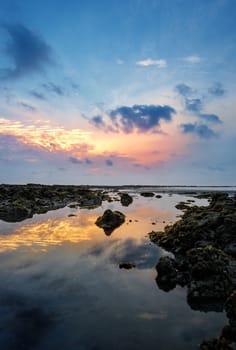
{"x":61,"y":286}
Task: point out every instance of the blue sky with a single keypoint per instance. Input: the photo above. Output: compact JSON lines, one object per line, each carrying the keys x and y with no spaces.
{"x":115,"y":92}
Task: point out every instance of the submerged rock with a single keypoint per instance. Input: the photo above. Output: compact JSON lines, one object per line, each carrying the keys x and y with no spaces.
{"x":110,"y":220}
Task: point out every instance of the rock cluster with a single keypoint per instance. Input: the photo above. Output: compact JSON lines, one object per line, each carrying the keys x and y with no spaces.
{"x":203,"y":243}
{"x":19,"y":202}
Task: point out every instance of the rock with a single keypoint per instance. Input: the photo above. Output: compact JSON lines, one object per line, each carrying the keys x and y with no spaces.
{"x":216,"y":344}
{"x":19,"y":202}
{"x":126,"y":265}
{"x":11,"y":213}
{"x":126,"y":199}
{"x":147,"y":194}
{"x":158,"y":196}
{"x":182,"y":206}
{"x":166,"y":273}
{"x":110,"y":220}
{"x":230,"y":308}
{"x":203,"y":242}
{"x":229,"y":333}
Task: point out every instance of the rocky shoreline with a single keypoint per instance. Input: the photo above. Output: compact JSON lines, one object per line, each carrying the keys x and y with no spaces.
{"x":203,"y":243}
{"x":20,"y":202}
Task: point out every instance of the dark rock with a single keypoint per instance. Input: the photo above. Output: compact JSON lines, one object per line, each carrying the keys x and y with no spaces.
{"x":126,"y":265}
{"x":126,"y":199}
{"x":147,"y":194}
{"x":204,"y":245}
{"x":216,"y":344}
{"x":110,"y":220}
{"x":158,"y":196}
{"x":182,"y":206}
{"x":230,"y":308}
{"x":166,"y":273}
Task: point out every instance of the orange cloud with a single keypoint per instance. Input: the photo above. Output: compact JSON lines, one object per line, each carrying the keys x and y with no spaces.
{"x":146,"y":149}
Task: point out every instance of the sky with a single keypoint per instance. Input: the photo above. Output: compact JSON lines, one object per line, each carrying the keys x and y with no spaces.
{"x":118,"y":92}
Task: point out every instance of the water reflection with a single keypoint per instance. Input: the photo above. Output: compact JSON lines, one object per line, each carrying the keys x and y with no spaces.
{"x":61,"y":286}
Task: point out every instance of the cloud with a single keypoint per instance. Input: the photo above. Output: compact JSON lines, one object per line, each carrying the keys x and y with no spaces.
{"x":141,"y":118}
{"x":193,"y":105}
{"x":192,"y":59}
{"x":88,"y":161}
{"x":196,"y":105}
{"x":56,"y":89}
{"x":184,"y":90}
{"x":217,"y":89}
{"x":28,"y":52}
{"x":201,"y":130}
{"x":149,"y":62}
{"x":213,"y":118}
{"x":75,"y":160}
{"x":38,"y":95}
{"x":28,"y":107}
{"x":109,"y":162}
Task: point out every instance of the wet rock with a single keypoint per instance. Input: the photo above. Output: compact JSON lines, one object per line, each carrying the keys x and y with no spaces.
{"x":19,"y":202}
{"x":216,"y":344}
{"x":147,"y":194}
{"x":126,"y":199}
{"x":110,"y":220}
{"x":182,"y":206}
{"x":11,"y":213}
{"x":203,"y":242}
{"x":229,"y":333}
{"x":166,"y":273}
{"x":126,"y":265}
{"x":230,"y":308}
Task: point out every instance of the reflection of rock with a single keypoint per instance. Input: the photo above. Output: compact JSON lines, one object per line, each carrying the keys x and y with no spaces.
{"x":110,"y":220}
{"x":126,"y":265}
{"x":147,"y":194}
{"x":126,"y":199}
{"x":14,"y":213}
{"x":167,"y":273}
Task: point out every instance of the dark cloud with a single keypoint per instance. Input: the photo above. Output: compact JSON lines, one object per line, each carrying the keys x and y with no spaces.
{"x":213,"y":118}
{"x":98,"y":121}
{"x":56,"y":89}
{"x":27,"y":107}
{"x":193,"y":105}
{"x":109,"y":162}
{"x":88,"y":161}
{"x":38,"y":95}
{"x":196,"y":106}
{"x":142,"y":118}
{"x":184,"y":90}
{"x":75,"y":160}
{"x":217,"y":90}
{"x":28,"y":52}
{"x":201,"y":130}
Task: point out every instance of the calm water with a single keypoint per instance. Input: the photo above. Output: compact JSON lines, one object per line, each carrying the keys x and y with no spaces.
{"x":61,"y":286}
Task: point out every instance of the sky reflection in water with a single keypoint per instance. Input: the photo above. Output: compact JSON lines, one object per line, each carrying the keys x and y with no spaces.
{"x":61,"y":287}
